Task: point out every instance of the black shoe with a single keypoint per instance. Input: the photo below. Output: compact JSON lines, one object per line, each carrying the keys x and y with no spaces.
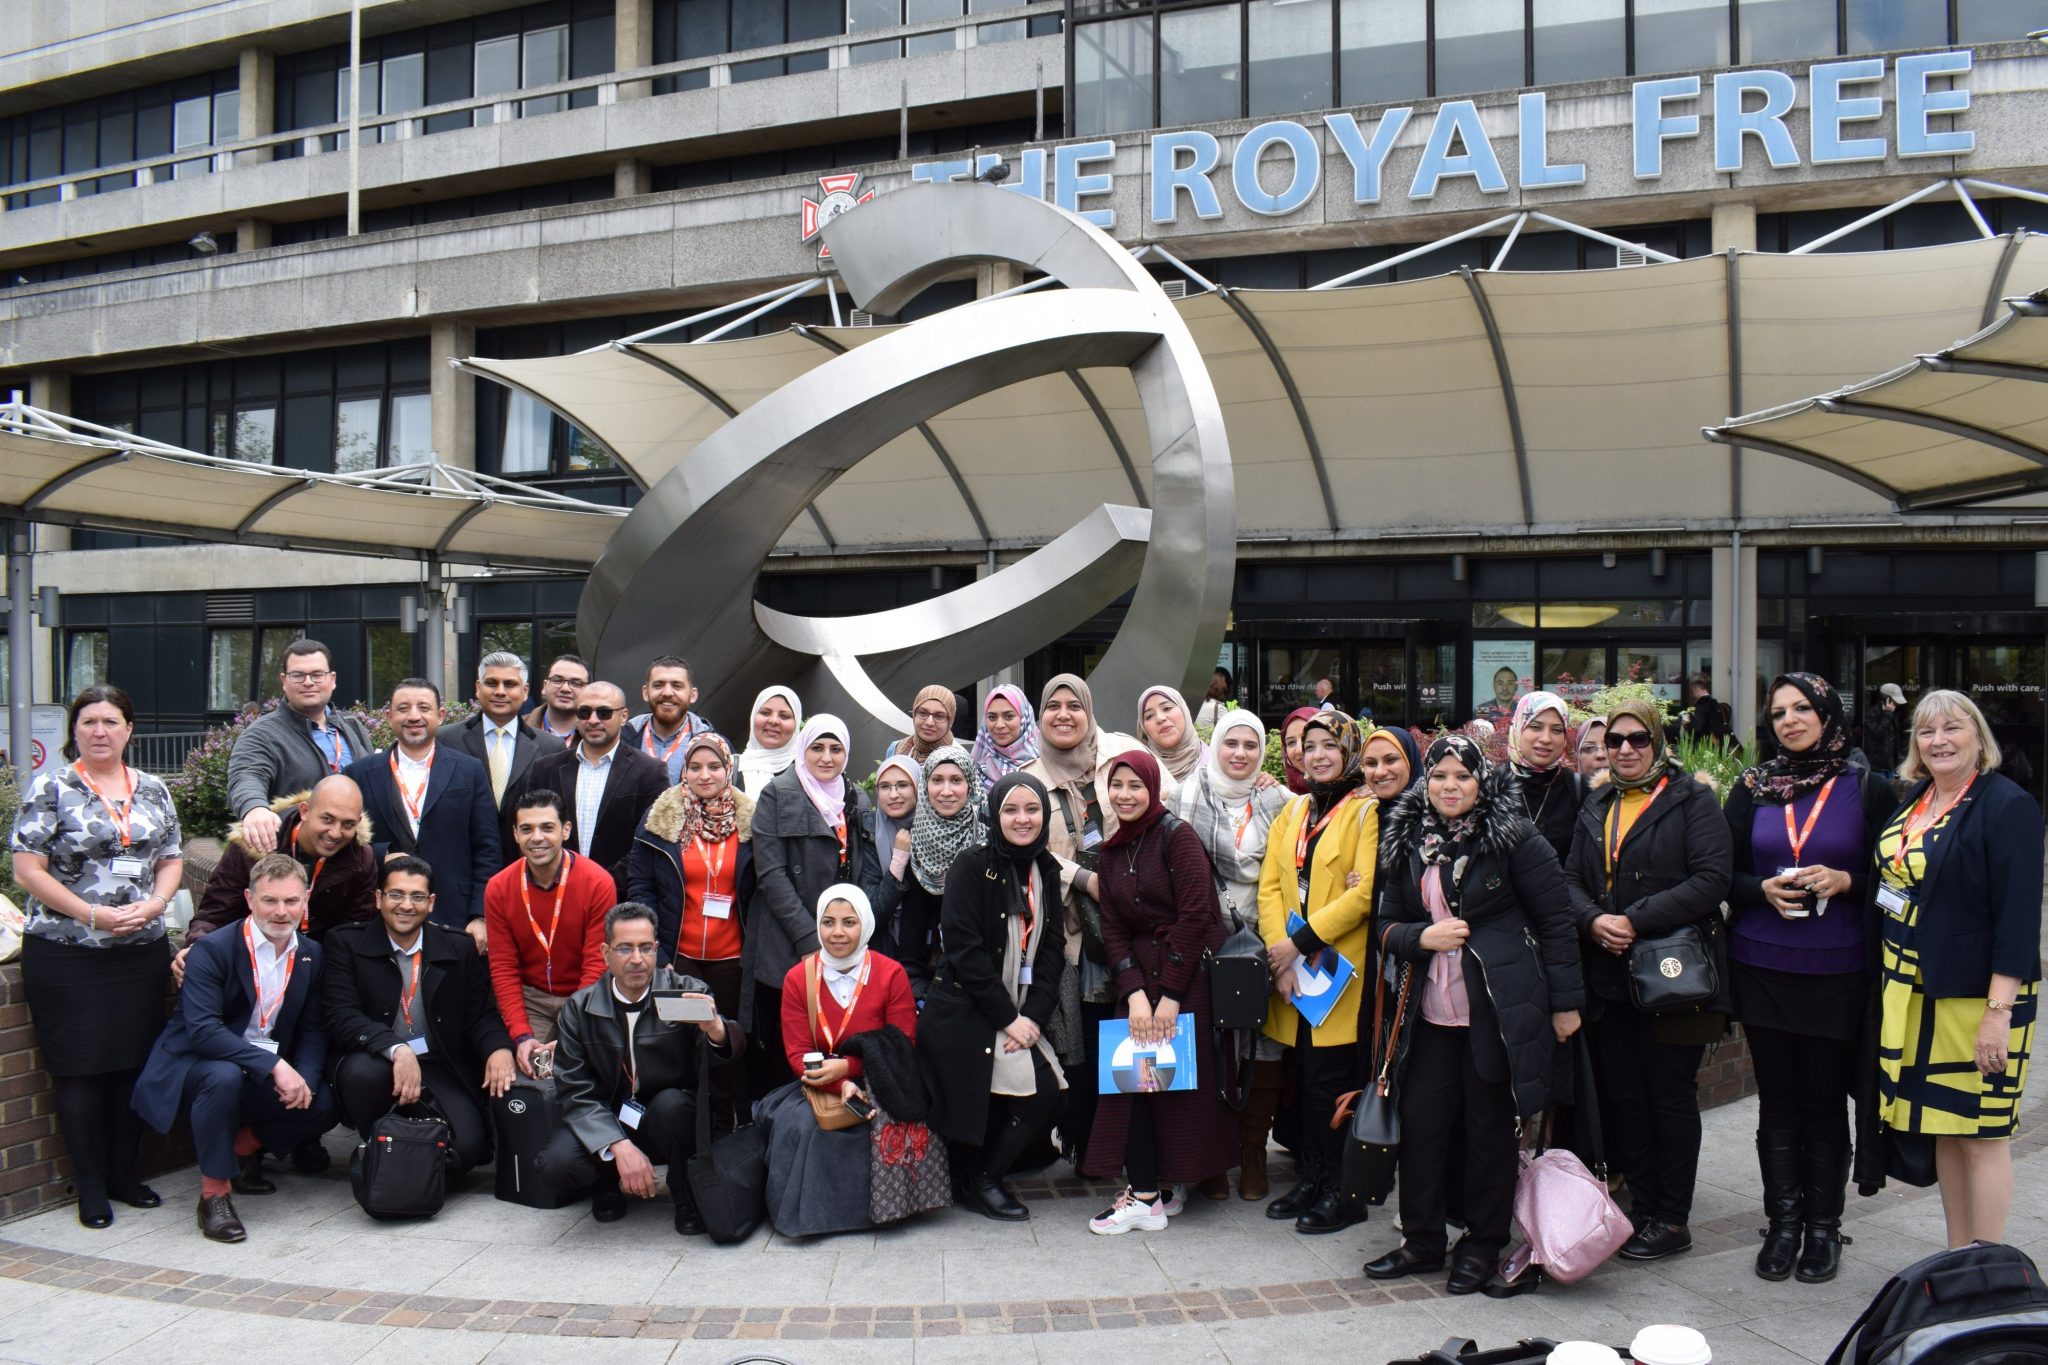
{"x":986,"y":1196}
{"x":1826,"y":1180}
{"x":687,"y":1221}
{"x":1656,"y":1239}
{"x":1307,"y":1190}
{"x":218,"y":1221}
{"x":1469,"y":1275}
{"x":1399,"y":1262}
{"x":94,"y":1213}
{"x":1330,"y":1213}
{"x":1777,"y":1155}
{"x":249,"y":1179}
{"x":1498,"y":1288}
{"x":137,"y":1196}
{"x":608,"y":1208}
{"x":310,"y":1157}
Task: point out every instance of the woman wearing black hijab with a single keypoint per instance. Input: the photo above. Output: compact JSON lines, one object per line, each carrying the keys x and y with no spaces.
{"x":995,"y":1083}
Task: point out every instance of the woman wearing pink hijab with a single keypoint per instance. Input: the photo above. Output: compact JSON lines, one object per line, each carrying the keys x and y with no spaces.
{"x":1009,"y":734}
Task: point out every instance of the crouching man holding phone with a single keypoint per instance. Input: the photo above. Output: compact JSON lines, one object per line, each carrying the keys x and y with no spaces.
{"x":626,"y":1068}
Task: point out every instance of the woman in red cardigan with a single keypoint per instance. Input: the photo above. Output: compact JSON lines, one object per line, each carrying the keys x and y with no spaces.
{"x":818,"y":1180}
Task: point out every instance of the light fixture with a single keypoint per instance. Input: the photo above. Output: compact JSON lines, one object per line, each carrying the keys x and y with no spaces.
{"x":1607,"y":560}
{"x":1459,"y":569}
{"x":1658,"y":563}
{"x":203,"y":242}
{"x":1815,"y":562}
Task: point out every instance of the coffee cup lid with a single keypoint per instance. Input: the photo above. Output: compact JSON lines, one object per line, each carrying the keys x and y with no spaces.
{"x":1583,"y":1353}
{"x":1670,"y":1344}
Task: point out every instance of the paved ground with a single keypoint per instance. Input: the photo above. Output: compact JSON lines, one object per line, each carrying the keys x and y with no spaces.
{"x":317,"y":1281}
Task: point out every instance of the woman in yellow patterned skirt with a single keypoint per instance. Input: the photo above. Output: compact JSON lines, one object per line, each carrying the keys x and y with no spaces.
{"x":1959,"y":870}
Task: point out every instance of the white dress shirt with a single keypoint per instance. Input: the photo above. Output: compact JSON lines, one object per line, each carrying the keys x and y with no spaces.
{"x":502,"y":741}
{"x":590,"y":783}
{"x":413,"y":775}
{"x":273,"y":974}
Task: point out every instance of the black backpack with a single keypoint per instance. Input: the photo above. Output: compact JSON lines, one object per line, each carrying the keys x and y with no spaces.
{"x":401,"y":1169}
{"x":1983,"y":1304}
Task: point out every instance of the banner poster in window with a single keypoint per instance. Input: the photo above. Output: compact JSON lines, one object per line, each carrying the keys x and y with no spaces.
{"x":1502,"y":670}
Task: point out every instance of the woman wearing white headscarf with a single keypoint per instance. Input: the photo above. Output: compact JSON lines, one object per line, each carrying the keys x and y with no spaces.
{"x":1168,"y":730}
{"x":772,"y":728}
{"x":1233,"y":814}
{"x":818,"y":1180}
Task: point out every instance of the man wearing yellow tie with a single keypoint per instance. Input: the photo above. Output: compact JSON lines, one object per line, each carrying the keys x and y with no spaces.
{"x":497,"y":737}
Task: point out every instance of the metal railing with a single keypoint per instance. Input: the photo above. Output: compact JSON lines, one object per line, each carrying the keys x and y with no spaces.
{"x":506,"y":106}
{"x":163,"y":753}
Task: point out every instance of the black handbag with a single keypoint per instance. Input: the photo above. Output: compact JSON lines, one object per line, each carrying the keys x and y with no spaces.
{"x":728,"y":1179}
{"x":1909,"y":1157}
{"x":401,"y":1169}
{"x":1239,"y":982}
{"x":1372,"y":1146}
{"x":1674,"y":973}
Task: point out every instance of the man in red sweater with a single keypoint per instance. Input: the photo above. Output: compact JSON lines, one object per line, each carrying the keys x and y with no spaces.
{"x":544,"y":917}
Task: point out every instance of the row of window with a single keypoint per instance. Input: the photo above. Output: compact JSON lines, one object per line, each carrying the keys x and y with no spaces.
{"x":1177,"y":63}
{"x":160,"y":120}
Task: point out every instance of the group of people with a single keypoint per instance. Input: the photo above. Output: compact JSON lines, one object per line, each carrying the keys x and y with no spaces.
{"x":433,"y":922}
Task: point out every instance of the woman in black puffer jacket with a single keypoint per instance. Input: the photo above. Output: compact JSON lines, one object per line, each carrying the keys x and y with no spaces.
{"x":1477,"y":913}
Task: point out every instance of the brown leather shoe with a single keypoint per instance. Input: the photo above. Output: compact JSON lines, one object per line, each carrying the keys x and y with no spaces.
{"x":217,"y":1219}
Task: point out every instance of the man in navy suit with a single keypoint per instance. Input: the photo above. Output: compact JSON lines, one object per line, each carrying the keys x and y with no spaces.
{"x":434,"y":803}
{"x":245,"y":1055}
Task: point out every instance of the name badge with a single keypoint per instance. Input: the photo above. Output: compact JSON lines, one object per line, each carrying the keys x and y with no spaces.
{"x":630,"y":1114}
{"x":1893,"y":901}
{"x":1024,"y":973}
{"x":418,"y":1046}
{"x":1090,"y":838}
{"x":128,"y":867}
{"x":1302,"y":883}
{"x":269,"y":1045}
{"x":717,"y":907}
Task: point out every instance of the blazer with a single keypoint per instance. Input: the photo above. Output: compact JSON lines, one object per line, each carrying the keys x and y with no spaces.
{"x":1980,"y":897}
{"x":458,"y":834}
{"x":214,"y":1008}
{"x":590,"y":1056}
{"x":630,"y":790}
{"x":796,"y":856}
{"x":1340,"y":917}
{"x":362,"y":985}
{"x":526,"y":747}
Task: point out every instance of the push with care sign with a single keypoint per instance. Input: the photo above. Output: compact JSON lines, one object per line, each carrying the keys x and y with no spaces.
{"x":1276,"y":168}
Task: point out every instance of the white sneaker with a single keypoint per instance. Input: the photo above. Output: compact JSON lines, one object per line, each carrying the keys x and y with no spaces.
{"x":1129,"y":1212}
{"x":1176,"y":1199}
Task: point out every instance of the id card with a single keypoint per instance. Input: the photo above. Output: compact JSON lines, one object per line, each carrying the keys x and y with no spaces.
{"x":1893,"y":901}
{"x":1302,"y":883}
{"x":133,"y":868}
{"x":717,"y":907}
{"x":269,"y":1045}
{"x":1091,"y":838}
{"x":630,"y":1114}
{"x":418,"y":1046}
{"x":1024,"y":973}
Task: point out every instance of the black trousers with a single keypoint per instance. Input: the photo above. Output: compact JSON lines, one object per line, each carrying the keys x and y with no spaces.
{"x":724,"y":977}
{"x":1141,"y":1146}
{"x":1077,"y":1116}
{"x":667,"y":1134}
{"x":767,"y":1069}
{"x":1015,"y":1122}
{"x":1649,"y":1094}
{"x":1802,"y":1085}
{"x":362,"y":1082}
{"x":1323,"y":1073}
{"x":1450,"y":1113}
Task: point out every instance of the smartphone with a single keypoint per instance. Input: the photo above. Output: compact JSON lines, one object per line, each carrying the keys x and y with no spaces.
{"x":861,"y":1108}
{"x":680,"y":1007}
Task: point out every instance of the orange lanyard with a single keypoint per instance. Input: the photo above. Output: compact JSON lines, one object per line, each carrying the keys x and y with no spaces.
{"x":306,"y":919}
{"x":713,"y":871}
{"x":547,"y":940}
{"x":846,"y":1016}
{"x":118,"y":813}
{"x":647,"y":739}
{"x":1245,"y":823}
{"x":1030,"y":913}
{"x":1799,"y":837}
{"x":1909,"y":834}
{"x":291,"y":964}
{"x":840,"y":830}
{"x":1305,"y":834}
{"x":1615,"y":833}
{"x":412,"y":987}
{"x":413,"y":799}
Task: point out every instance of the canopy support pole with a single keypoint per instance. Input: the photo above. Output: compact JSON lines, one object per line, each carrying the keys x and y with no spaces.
{"x":20,"y":664}
{"x":435,"y":663}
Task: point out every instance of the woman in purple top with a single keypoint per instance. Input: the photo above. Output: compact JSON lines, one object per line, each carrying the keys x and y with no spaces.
{"x":1803,"y":958}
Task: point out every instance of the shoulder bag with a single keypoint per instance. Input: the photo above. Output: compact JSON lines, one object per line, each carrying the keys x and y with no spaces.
{"x":401,"y":1169}
{"x":1373,"y":1145}
{"x":826,"y":1105}
{"x":1674,"y":973}
{"x":1570,"y":1220}
{"x":727,"y":1179}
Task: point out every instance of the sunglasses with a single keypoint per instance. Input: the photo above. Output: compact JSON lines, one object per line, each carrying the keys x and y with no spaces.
{"x":1630,"y":739}
{"x":601,"y":712}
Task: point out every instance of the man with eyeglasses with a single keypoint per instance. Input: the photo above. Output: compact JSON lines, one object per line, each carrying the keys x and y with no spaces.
{"x":497,"y":737}
{"x":669,"y":726}
{"x":410,"y":1015}
{"x":608,"y":783}
{"x":287,"y":750}
{"x":555,"y":717}
{"x":627,"y":1077}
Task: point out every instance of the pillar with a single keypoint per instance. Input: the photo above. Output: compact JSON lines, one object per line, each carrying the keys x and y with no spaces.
{"x":1734,"y":635}
{"x":993,"y":277}
{"x":257,"y":103}
{"x":1734,"y":227}
{"x":251,"y":234}
{"x":631,"y":177}
{"x":453,"y":394}
{"x":633,"y":45}
{"x":50,"y":390}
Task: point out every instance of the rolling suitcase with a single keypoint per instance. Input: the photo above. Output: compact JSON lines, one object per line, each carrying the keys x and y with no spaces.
{"x":526,"y":1118}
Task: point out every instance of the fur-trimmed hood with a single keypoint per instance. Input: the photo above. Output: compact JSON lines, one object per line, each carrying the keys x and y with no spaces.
{"x":286,"y":809}
{"x":1502,"y":824}
{"x":665,"y":817}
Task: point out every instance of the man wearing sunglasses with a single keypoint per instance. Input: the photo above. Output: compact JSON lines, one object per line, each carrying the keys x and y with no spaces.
{"x":609,"y":784}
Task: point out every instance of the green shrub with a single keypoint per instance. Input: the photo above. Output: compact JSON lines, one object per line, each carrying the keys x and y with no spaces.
{"x":10,"y":803}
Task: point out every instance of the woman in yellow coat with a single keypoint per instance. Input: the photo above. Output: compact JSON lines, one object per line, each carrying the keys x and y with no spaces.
{"x":1318,"y":873}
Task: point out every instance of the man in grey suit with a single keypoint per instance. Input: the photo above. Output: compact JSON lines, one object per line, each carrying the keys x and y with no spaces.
{"x":286,"y":751}
{"x":496,"y":736}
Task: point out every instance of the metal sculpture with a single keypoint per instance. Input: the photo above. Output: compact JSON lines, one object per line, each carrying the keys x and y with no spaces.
{"x":679,"y":575}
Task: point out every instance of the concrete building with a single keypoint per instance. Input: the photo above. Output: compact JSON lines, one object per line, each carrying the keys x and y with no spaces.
{"x":208,"y":242}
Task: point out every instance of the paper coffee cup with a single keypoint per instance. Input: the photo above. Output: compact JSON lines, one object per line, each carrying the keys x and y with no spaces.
{"x":1583,"y":1353}
{"x":1670,"y":1344}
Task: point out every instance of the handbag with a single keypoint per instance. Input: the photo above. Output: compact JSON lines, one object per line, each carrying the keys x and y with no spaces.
{"x":1239,"y":982}
{"x":908,"y":1172}
{"x":1373,"y":1145}
{"x":727,"y":1179}
{"x":401,"y":1169}
{"x":1909,"y":1157}
{"x":826,"y":1106}
{"x":1674,"y":973}
{"x":1570,"y":1222}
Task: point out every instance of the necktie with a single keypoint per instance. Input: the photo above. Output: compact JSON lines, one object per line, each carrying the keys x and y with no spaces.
{"x":501,"y":762}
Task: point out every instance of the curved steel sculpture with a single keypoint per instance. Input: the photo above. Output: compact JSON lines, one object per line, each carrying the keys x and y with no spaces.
{"x":678,"y":577}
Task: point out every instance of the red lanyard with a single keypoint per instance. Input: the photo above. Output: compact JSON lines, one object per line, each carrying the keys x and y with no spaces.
{"x":1030,"y":912}
{"x":713,"y":871}
{"x":118,"y":813}
{"x":291,"y":964}
{"x":846,"y":1016}
{"x":1302,"y":837}
{"x":840,"y":830}
{"x":306,"y":919}
{"x":547,"y":940}
{"x":413,"y":800}
{"x":647,"y":739}
{"x":1799,"y":837}
{"x":412,"y":987}
{"x":1909,"y":835}
{"x":1615,"y":833}
{"x":1245,"y":823}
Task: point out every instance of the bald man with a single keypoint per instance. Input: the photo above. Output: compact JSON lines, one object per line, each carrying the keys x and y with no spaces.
{"x":608,"y":784}
{"x":325,"y":829}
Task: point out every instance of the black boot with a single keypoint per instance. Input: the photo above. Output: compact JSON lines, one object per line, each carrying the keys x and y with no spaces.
{"x":1330,"y":1212}
{"x":1777,"y":1156}
{"x":1827,"y":1179}
{"x":1307,"y":1190}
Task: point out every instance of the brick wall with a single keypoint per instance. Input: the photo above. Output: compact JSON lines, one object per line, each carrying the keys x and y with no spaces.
{"x":1726,"y":1076}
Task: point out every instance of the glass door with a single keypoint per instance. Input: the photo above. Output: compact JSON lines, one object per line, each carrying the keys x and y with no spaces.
{"x":2005,"y":680}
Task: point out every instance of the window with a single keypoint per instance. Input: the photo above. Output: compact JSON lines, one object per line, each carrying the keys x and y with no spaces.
{"x":1199,"y":56}
{"x":1289,"y":66}
{"x":497,"y":69}
{"x":1989,"y":21}
{"x":1893,"y":25}
{"x":412,"y":436}
{"x":86,"y":662}
{"x":1579,"y":40}
{"x":511,"y":637}
{"x":1478,"y":45}
{"x":1787,"y":30}
{"x":1113,"y":76}
{"x":525,"y":450}
{"x":545,"y":61}
{"x":230,"y":658}
{"x":925,"y":11}
{"x":255,"y":435}
{"x":1680,"y":35}
{"x":391,"y":661}
{"x":1382,"y":53}
{"x":158,"y":120}
{"x":355,"y":434}
{"x":271,"y":667}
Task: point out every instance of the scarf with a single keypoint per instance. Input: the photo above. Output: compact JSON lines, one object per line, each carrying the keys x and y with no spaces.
{"x":1579,"y":735}
{"x":1068,"y":767}
{"x":886,"y":825}
{"x":758,"y":762}
{"x":1443,"y":839}
{"x":1530,"y":706}
{"x":1324,"y":795}
{"x":714,"y":819}
{"x":1184,"y":757}
{"x":858,"y":899}
{"x":1221,"y":784}
{"x":1147,"y":769}
{"x":1789,"y":776}
{"x":935,"y":839}
{"x":1297,"y":780}
{"x":1020,"y":856}
{"x":1646,"y":714}
{"x":830,"y":800}
{"x":993,"y":759}
{"x":910,"y":746}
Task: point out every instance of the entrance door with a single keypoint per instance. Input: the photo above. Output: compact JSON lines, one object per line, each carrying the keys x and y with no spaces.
{"x":2004,"y":675}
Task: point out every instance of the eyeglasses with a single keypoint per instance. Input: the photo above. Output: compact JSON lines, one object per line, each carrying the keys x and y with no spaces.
{"x":409,"y":897}
{"x":557,"y":680}
{"x":632,"y":949}
{"x":928,"y":713}
{"x":1630,"y":739}
{"x":601,"y":712}
{"x":308,"y":676}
